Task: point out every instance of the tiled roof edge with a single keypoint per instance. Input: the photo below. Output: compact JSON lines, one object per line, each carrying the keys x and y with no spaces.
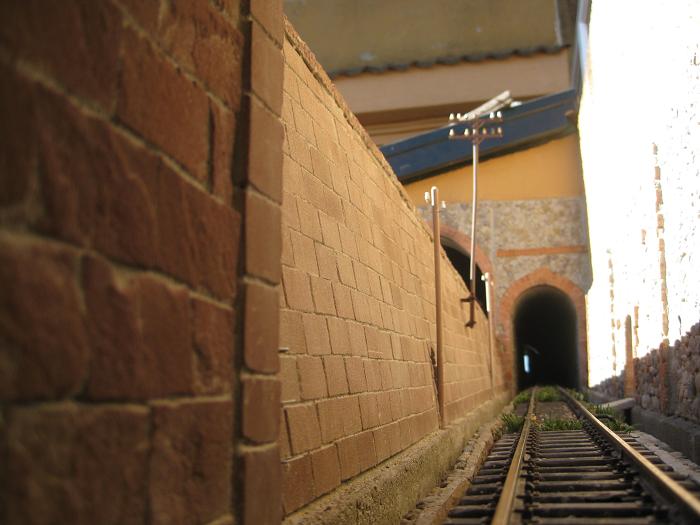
{"x":448,"y":60}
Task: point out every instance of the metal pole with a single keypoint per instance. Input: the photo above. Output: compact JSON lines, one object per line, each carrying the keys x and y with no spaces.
{"x":476,"y":134}
{"x":486,"y":277}
{"x":434,"y":201}
{"x":472,"y":255}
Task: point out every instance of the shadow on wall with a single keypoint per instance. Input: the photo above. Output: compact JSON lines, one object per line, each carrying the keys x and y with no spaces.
{"x":544,"y":326}
{"x":461,"y":262}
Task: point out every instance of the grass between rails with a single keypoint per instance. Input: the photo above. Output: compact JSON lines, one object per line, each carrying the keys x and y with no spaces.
{"x":550,"y":393}
{"x":547,"y":394}
{"x":558,"y":424}
{"x":544,"y":394}
{"x":512,"y":422}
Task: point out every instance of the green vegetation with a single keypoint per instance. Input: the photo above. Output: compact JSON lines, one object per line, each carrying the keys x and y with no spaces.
{"x":548,"y":393}
{"x":600,"y":410}
{"x":544,"y":394}
{"x":578,"y":396}
{"x":609,"y":417}
{"x":522,"y":397}
{"x":617,"y":426}
{"x":512,"y":422}
{"x":559,"y":424}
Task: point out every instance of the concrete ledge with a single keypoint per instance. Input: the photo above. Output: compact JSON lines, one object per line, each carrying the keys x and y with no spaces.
{"x":679,"y":433}
{"x":620,"y":405}
{"x":433,"y":509}
{"x":384,"y":494}
{"x":597,"y":397}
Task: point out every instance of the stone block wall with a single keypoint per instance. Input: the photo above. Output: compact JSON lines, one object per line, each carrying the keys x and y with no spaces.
{"x":667,"y":379}
{"x":520,"y":237}
{"x":150,"y":273}
{"x":137,"y":234}
{"x":357,"y":318}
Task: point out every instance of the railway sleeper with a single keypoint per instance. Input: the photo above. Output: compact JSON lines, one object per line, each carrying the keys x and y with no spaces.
{"x":587,"y":496}
{"x":486,"y":488}
{"x":575,"y":468}
{"x":571,"y":454}
{"x":468,"y":521}
{"x":484,"y":479}
{"x":573,"y":476}
{"x":566,"y":462}
{"x":589,"y":447}
{"x":575,"y":520}
{"x":478,"y":499}
{"x":568,"y":477}
{"x":598,"y":509}
{"x":583,"y":485}
{"x":471,"y":511}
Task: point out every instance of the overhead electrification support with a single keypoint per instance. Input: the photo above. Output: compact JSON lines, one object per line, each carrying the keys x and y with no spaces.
{"x":477,"y":130}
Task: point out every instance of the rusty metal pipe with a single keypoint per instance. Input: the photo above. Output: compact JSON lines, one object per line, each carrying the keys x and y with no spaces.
{"x":435,"y":203}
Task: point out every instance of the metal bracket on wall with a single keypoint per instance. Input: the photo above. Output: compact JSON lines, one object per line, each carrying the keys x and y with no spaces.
{"x":472,"y":320}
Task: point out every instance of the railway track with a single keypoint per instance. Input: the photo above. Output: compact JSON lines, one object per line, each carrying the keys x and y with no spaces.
{"x":590,"y":475}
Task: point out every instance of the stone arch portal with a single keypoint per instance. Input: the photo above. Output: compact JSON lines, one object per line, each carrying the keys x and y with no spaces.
{"x":457,"y":245}
{"x":544,"y":330}
{"x":546,"y":309}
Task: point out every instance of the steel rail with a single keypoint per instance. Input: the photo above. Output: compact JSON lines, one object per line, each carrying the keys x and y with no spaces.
{"x":506,"y":501}
{"x":674,"y":493}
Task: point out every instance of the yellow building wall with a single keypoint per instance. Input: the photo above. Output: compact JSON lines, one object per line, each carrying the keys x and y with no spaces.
{"x":552,"y":170}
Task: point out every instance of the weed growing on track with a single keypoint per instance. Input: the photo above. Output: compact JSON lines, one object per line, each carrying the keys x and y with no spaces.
{"x":548,"y":393}
{"x":512,"y":422}
{"x":610,"y":417}
{"x":522,"y":397}
{"x":559,"y":424}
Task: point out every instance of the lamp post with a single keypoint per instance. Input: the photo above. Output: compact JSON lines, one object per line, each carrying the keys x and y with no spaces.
{"x":476,"y":131}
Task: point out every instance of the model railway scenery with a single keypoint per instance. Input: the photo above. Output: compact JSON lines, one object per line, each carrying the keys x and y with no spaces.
{"x":563,"y":461}
{"x":349,"y":262}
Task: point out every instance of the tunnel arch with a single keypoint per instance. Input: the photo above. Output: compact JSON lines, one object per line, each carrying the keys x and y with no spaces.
{"x":544,"y":330}
{"x":461,"y":262}
{"x":457,"y":245}
{"x":544,"y":276}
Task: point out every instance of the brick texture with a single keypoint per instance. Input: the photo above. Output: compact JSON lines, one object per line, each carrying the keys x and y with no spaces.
{"x":303,"y":427}
{"x":39,"y":289}
{"x":130,"y":322}
{"x":129,"y":223}
{"x":142,"y":297}
{"x":261,"y":487}
{"x":150,"y":88}
{"x":261,"y":312}
{"x":97,"y":454}
{"x":258,"y":175}
{"x":88,"y":63}
{"x":326,"y":470}
{"x":298,"y":483}
{"x":261,"y":400}
{"x":359,"y":291}
{"x":191,"y":462}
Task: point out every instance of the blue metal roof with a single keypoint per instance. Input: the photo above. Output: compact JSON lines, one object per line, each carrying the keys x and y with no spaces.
{"x":523,"y":126}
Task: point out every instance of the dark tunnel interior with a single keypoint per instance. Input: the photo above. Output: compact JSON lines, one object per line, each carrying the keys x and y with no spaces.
{"x":545,"y":335}
{"x":462,"y":262}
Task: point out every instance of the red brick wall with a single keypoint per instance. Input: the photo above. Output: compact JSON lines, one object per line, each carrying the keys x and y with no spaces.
{"x":357,"y":318}
{"x":139,"y":261}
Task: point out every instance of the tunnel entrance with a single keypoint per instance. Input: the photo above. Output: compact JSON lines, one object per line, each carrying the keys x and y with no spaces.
{"x":461,"y":262}
{"x":544,"y":327}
